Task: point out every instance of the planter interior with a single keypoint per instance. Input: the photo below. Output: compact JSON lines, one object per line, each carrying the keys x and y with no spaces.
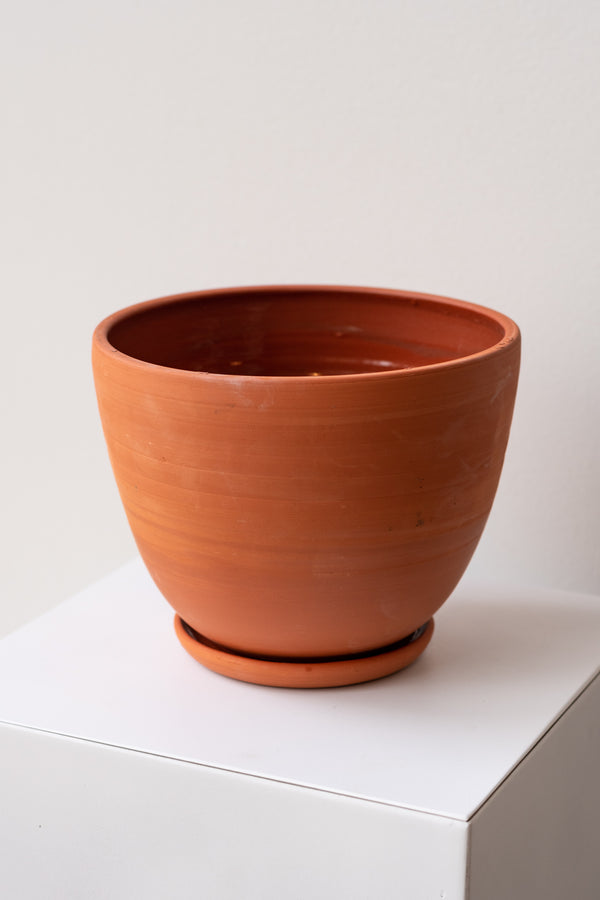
{"x":302,"y":333}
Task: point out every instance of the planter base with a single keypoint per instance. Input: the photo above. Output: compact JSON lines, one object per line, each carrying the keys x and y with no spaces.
{"x":305,"y":673}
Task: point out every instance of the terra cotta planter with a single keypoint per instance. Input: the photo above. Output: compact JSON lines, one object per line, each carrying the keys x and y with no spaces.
{"x":306,"y":470}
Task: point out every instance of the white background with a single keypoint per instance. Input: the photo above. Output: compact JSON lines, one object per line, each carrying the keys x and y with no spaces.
{"x":157,"y":147}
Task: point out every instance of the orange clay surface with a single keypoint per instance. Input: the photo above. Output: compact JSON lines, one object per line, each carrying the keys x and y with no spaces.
{"x":306,"y":470}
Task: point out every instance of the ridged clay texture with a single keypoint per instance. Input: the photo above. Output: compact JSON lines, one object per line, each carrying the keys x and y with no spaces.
{"x":306,"y":470}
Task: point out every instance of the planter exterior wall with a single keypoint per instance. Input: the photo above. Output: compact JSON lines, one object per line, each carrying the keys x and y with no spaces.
{"x":306,"y":471}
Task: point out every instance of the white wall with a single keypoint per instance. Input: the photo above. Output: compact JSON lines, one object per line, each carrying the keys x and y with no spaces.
{"x":150,"y":148}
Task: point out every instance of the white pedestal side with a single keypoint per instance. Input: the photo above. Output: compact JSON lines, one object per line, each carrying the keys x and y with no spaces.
{"x":131,"y":771}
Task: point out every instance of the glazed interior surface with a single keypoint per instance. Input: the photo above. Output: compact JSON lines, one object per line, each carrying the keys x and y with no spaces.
{"x":302,"y":332}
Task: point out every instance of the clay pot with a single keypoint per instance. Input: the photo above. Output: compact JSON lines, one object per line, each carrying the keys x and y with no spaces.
{"x":306,"y":470}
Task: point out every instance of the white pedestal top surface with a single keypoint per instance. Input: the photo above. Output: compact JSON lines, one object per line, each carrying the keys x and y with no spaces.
{"x":439,"y":737}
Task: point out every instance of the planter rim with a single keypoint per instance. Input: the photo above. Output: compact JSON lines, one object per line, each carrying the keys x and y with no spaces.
{"x":102,"y":344}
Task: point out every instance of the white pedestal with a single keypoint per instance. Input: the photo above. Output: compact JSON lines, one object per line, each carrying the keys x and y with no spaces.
{"x":130,"y":771}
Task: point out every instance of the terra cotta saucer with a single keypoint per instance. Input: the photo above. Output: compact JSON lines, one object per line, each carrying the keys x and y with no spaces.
{"x":309,"y":672}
